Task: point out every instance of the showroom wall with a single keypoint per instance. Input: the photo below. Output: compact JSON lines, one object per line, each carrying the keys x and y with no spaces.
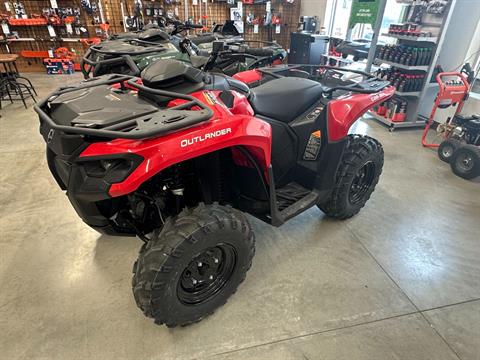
{"x":314,"y":8}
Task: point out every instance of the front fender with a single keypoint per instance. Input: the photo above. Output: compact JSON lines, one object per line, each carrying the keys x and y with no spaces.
{"x":162,"y":152}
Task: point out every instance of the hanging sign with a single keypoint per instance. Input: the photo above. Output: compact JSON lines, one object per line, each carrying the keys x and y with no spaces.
{"x":255,"y":29}
{"x":363,"y":12}
{"x":5,"y":28}
{"x":53,"y":4}
{"x":51,"y":31}
{"x":277,"y":29}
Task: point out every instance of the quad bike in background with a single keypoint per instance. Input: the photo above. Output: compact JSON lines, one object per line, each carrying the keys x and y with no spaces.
{"x":179,"y":156}
{"x":461,"y":133}
{"x":358,"y":48}
{"x":130,"y":54}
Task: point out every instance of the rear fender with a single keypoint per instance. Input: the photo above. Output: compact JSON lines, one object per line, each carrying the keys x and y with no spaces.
{"x":345,"y":111}
{"x":162,"y":152}
{"x":249,"y":76}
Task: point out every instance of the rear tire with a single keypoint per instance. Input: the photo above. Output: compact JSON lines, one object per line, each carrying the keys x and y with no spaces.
{"x":466,"y":162}
{"x":193,"y":265}
{"x":447,"y":148}
{"x":356,"y":177}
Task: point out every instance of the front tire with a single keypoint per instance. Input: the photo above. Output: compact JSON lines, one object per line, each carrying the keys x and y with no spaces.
{"x":466,"y":162}
{"x":193,"y":265}
{"x":356,"y":177}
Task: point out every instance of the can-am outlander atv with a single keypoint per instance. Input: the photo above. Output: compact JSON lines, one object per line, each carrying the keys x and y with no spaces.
{"x":130,"y":53}
{"x":179,"y":156}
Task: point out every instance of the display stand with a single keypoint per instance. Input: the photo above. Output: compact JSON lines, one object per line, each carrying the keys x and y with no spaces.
{"x":434,"y":26}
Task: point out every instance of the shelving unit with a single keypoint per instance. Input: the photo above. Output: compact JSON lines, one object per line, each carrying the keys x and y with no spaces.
{"x":392,"y":125}
{"x":431,"y":39}
{"x":409,"y":93}
{"x":404,"y":67}
{"x":435,"y":25}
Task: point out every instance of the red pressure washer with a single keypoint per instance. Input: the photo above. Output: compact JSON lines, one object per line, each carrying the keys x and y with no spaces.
{"x":452,"y":92}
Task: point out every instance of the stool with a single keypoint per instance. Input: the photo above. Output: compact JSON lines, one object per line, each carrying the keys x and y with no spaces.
{"x":11,"y":83}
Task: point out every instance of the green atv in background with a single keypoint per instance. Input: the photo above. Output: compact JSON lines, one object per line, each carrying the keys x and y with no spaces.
{"x":130,"y":53}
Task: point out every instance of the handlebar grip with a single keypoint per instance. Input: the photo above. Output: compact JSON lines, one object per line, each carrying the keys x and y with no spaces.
{"x":193,"y":26}
{"x":198,"y":40}
{"x":259,"y":52}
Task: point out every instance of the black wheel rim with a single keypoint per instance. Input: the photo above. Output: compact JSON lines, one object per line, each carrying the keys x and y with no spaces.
{"x":206,"y":274}
{"x":464,"y":162}
{"x":361,"y":182}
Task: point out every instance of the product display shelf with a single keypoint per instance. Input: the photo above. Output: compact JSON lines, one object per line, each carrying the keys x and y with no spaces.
{"x":392,"y":125}
{"x":408,"y":93}
{"x":432,"y":39}
{"x":402,"y":66}
{"x":436,"y":25}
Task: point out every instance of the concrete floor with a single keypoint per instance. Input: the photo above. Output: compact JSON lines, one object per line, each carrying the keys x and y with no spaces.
{"x":401,"y":280}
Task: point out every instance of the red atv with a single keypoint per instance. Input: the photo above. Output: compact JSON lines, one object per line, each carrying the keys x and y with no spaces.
{"x":178,"y":157}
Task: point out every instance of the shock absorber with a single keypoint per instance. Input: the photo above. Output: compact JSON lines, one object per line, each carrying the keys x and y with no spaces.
{"x":177,"y":187}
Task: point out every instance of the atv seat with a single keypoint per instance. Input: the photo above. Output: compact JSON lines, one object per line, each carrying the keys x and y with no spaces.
{"x":286,"y":98}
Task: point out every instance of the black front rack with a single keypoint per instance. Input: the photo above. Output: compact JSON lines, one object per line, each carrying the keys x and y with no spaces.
{"x":87,"y":64}
{"x":157,"y":122}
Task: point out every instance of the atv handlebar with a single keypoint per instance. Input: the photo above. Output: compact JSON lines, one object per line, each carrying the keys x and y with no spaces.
{"x":181,"y":27}
{"x":259,"y":52}
{"x":166,"y":119}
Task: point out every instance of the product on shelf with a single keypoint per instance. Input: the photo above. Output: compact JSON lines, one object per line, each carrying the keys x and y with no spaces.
{"x":395,"y":109}
{"x":406,"y":55}
{"x":403,"y":81}
{"x":59,"y":66}
{"x":407,"y":30}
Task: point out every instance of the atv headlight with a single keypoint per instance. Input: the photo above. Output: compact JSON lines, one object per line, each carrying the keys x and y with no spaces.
{"x":112,"y":170}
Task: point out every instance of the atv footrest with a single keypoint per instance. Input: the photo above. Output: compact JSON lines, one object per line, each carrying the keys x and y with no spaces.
{"x":290,"y":194}
{"x":292,"y":199}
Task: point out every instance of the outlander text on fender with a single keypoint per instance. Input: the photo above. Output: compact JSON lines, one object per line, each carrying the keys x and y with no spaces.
{"x":207,"y":136}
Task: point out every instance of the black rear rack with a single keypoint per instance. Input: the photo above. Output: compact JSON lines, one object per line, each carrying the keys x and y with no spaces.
{"x":370,"y":85}
{"x":154,"y":124}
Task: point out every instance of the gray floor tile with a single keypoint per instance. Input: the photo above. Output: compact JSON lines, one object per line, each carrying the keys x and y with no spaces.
{"x":404,"y":338}
{"x":460,"y":327}
{"x":65,"y":279}
{"x":422,"y":224}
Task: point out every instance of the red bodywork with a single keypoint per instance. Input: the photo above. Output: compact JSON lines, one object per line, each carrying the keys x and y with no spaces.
{"x":227,"y":128}
{"x":342,"y":112}
{"x":249,"y":76}
{"x":345,"y":110}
